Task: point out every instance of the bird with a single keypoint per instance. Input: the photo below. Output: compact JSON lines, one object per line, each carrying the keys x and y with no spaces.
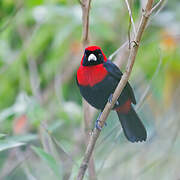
{"x":97,"y":78}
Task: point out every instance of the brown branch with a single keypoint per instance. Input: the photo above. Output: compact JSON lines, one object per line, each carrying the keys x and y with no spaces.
{"x":88,"y":111}
{"x":85,"y":5}
{"x":121,"y":85}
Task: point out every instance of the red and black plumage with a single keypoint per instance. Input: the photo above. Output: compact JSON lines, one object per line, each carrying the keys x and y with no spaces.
{"x":97,"y":79}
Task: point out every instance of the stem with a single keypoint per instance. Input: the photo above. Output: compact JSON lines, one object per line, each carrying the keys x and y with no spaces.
{"x":131,"y":18}
{"x":87,"y":109}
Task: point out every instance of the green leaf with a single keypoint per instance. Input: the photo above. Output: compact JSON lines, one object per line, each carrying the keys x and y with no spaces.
{"x":48,"y":159}
{"x":15,"y":141}
{"x":4,"y":144}
{"x":24,"y":139}
{"x":2,"y":135}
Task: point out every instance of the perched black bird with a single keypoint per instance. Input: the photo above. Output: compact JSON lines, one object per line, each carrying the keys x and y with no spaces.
{"x":97,"y":79}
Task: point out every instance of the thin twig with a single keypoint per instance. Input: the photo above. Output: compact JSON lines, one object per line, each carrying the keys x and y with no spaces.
{"x":34,"y":79}
{"x":81,"y":3}
{"x":87,"y":109}
{"x":131,"y":18}
{"x":117,"y":92}
{"x":85,"y":21}
{"x":13,"y":163}
{"x":89,"y":112}
{"x":114,"y":129}
{"x":118,"y":50}
{"x":59,"y":148}
{"x":60,"y":154}
{"x":157,"y":6}
{"x":129,"y":33}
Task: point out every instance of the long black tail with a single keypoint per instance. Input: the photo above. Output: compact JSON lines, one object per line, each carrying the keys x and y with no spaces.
{"x":133,"y":128}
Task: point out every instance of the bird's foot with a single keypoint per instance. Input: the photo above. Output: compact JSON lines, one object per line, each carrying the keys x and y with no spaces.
{"x":117,"y":103}
{"x":110,"y":98}
{"x":97,"y":126}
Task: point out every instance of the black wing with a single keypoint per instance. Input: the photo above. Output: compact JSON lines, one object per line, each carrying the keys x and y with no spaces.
{"x":117,"y":74}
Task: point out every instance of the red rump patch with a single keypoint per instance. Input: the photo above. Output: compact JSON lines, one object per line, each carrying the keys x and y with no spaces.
{"x":125,"y":107}
{"x":91,"y":75}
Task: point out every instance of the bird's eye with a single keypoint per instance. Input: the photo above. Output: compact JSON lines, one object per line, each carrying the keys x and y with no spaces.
{"x":99,"y":54}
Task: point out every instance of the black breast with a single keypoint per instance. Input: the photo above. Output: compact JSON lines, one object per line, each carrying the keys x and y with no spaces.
{"x":98,"y":95}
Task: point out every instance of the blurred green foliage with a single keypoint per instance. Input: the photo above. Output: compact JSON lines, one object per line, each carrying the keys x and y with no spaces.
{"x":40,"y":50}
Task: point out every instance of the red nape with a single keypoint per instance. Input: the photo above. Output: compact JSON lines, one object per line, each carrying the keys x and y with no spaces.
{"x":93,"y":48}
{"x":91,"y":75}
{"x":125,"y":107}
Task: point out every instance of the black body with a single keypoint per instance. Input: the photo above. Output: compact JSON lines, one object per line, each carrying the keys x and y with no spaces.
{"x":98,"y":95}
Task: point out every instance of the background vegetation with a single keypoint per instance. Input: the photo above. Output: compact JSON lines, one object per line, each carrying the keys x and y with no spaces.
{"x":41,"y":131}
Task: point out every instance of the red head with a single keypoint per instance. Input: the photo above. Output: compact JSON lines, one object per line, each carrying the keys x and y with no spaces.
{"x":93,"y":55}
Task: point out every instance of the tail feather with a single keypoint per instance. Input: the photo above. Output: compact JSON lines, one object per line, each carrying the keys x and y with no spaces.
{"x":133,"y":128}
